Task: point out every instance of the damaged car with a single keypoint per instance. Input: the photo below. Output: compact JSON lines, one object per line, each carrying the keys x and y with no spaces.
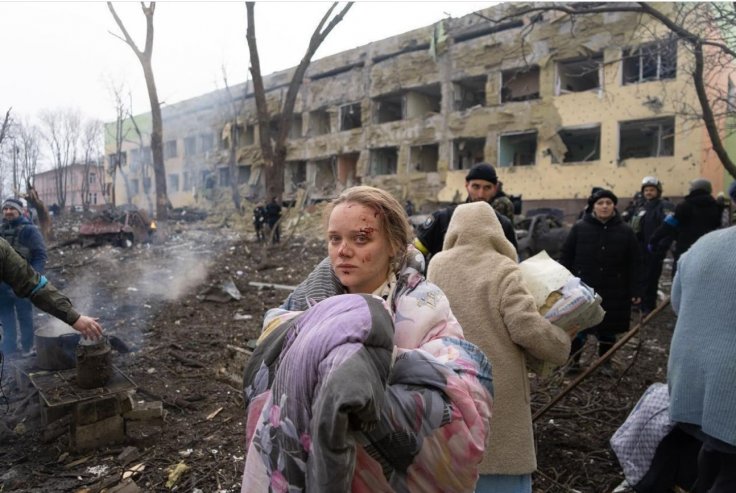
{"x":120,"y":226}
{"x":541,"y":229}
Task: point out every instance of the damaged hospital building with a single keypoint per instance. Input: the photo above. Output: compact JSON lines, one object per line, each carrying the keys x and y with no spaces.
{"x":558,"y":105}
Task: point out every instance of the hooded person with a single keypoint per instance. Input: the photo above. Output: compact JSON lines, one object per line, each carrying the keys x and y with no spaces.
{"x":603,"y":252}
{"x":498,"y":314}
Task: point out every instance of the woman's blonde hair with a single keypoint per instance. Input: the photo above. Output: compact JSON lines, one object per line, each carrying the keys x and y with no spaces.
{"x":391,"y":214}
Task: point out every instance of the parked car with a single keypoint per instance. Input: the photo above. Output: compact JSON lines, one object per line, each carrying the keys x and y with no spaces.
{"x":541,"y":229}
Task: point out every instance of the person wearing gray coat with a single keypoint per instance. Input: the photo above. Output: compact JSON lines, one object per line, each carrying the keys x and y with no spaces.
{"x":701,"y":370}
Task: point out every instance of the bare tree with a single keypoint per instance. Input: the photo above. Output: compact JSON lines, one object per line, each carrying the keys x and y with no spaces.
{"x":5,"y":126}
{"x":703,"y":28}
{"x":157,"y":149}
{"x":29,"y":146}
{"x":62,"y":129}
{"x":234,"y":108}
{"x":91,"y":144}
{"x":273,"y":147}
{"x":119,"y":135}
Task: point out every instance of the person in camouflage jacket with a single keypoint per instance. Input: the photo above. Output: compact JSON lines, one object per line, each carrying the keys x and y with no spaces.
{"x":27,"y":283}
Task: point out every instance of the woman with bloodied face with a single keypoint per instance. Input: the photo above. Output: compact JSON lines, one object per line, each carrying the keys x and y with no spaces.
{"x":413,"y":407}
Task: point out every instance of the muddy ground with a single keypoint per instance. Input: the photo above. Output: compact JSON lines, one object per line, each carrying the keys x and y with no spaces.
{"x":169,"y":302}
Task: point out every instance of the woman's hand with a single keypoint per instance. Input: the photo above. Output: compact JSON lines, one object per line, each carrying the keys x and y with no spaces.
{"x":88,"y":327}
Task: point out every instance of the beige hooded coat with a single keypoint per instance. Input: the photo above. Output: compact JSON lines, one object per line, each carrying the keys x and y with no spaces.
{"x":478,"y":272}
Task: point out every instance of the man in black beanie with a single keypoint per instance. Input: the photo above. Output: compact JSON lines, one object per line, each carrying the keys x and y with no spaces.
{"x":481,"y":183}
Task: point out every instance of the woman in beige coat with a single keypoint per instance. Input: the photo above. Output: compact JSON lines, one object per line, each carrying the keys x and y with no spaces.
{"x":478,"y":272}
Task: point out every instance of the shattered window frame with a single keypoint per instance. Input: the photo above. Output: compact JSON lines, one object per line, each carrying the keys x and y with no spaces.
{"x":423,"y":162}
{"x":519,"y":157}
{"x":649,"y":62}
{"x":385,"y":108}
{"x":319,"y":122}
{"x":431,"y":97}
{"x":588,"y":140}
{"x":510,"y":76}
{"x":208,"y":141}
{"x":469,"y":92}
{"x":467,"y":151}
{"x":381,"y":163}
{"x":655,"y":138}
{"x":579,"y":70}
{"x":350,"y":116}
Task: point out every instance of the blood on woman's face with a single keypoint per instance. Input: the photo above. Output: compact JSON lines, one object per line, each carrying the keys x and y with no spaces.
{"x":358,"y":247}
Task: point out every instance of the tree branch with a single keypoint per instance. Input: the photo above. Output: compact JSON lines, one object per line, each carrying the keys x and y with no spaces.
{"x":120,"y":24}
{"x":6,"y":124}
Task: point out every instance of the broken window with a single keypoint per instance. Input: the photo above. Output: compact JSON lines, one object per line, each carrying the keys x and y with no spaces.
{"x":583,"y":144}
{"x":248,"y":134}
{"x":424,"y":157}
{"x":350,"y":116}
{"x":208,"y":142}
{"x":469,"y":92}
{"x":295,"y":174}
{"x":647,"y":138}
{"x":319,"y":122}
{"x":295,"y":128}
{"x":223,"y":177}
{"x":517,"y":149}
{"x":580,"y":74}
{"x":243,"y":174}
{"x":347,"y":164}
{"x":520,"y":84}
{"x":190,"y":146}
{"x":388,"y":108}
{"x":467,"y":152}
{"x":321,"y":173}
{"x":172,"y":184}
{"x":423,"y":100}
{"x":384,"y":161}
{"x":652,"y":61}
{"x":169,"y":149}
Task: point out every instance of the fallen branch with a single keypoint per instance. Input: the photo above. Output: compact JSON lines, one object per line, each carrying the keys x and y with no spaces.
{"x":186,"y":361}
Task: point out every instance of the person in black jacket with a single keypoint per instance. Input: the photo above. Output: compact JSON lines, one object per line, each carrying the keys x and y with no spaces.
{"x":603,"y":252}
{"x":646,"y":219}
{"x":481,"y":183}
{"x":697,"y":215}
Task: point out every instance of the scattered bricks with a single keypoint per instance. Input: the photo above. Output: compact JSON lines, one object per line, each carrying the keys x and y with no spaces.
{"x":102,"y":433}
{"x":88,"y":412}
{"x":143,"y":411}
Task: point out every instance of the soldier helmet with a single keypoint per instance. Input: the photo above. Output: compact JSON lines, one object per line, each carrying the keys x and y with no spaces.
{"x":651,"y":181}
{"x":701,"y":184}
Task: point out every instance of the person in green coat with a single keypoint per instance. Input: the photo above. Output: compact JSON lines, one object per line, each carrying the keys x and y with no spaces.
{"x":27,"y":283}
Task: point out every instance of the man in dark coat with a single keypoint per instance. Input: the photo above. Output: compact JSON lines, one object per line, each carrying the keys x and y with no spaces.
{"x":649,"y":216}
{"x":273,"y":215}
{"x":603,"y":252}
{"x":481,"y":183}
{"x":697,"y":215}
{"x":27,"y":240}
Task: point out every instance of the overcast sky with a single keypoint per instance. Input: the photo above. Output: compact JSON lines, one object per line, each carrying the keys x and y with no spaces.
{"x":63,"y":55}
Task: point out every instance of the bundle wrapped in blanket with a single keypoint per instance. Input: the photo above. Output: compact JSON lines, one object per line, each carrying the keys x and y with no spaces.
{"x":562,"y":298}
{"x":353,"y":394}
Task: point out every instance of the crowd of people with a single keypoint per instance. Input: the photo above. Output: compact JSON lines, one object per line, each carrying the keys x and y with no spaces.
{"x":474,"y":314}
{"x":399,"y":363}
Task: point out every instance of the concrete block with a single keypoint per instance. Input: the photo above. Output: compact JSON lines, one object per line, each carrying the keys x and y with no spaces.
{"x":51,"y":414}
{"x":89,"y":412}
{"x":99,"y":434}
